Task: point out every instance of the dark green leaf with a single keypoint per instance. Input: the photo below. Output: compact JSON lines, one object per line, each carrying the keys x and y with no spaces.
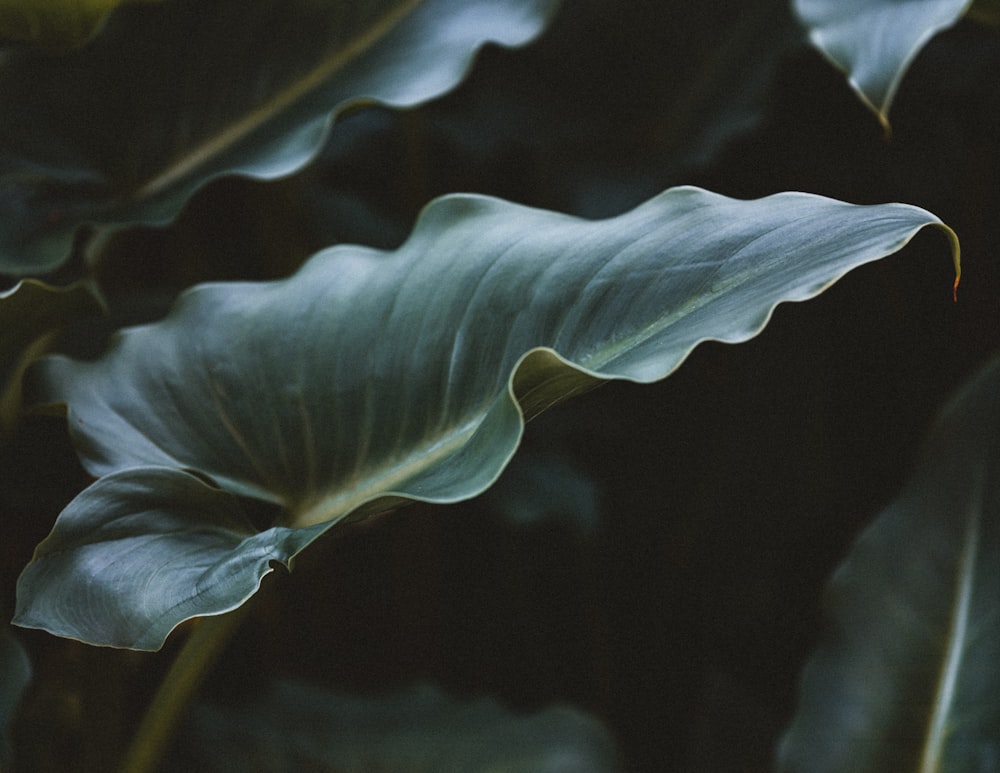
{"x":986,"y":12}
{"x":175,"y":94}
{"x":15,"y":674}
{"x":296,"y":727}
{"x":55,"y":24}
{"x":874,"y":41}
{"x":30,"y":314}
{"x":369,"y":377}
{"x":906,"y":678}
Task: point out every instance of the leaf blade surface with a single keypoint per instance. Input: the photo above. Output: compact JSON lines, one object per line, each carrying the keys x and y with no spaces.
{"x":905,"y":677}
{"x":369,"y":377}
{"x":214,"y":89}
{"x":874,"y":41}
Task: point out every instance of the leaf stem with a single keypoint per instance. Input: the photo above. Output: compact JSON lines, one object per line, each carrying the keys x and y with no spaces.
{"x":203,"y":646}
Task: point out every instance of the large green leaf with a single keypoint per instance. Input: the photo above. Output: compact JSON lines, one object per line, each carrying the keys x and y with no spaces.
{"x":175,"y":94}
{"x":296,"y":727}
{"x":55,"y":24}
{"x":874,"y":41}
{"x":31,"y":313}
{"x":906,"y":678}
{"x":369,"y":377}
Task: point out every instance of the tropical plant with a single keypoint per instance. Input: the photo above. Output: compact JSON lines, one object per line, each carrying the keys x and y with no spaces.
{"x":183,"y":191}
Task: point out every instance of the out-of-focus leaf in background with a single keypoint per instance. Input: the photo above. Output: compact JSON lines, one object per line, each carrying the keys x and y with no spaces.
{"x":874,"y":41}
{"x":544,"y":486}
{"x":369,"y":377}
{"x":985,"y":11}
{"x":906,"y":676}
{"x":31,"y":315}
{"x":303,"y":727}
{"x":212,"y":89}
{"x":15,"y":675}
{"x":55,"y":24}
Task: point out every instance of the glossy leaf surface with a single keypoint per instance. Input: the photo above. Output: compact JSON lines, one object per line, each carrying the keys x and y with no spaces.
{"x":874,"y":41}
{"x":55,"y":24}
{"x":30,"y":314}
{"x":906,"y":677}
{"x":370,"y":377}
{"x":212,"y":89}
{"x":421,"y":729}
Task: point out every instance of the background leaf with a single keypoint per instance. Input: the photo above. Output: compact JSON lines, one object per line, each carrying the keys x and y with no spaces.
{"x":985,"y":11}
{"x":213,"y":89}
{"x":31,"y":314}
{"x":874,"y":41}
{"x":906,"y":676}
{"x":369,"y":377}
{"x":15,"y":675}
{"x":294,"y":727}
{"x":55,"y":24}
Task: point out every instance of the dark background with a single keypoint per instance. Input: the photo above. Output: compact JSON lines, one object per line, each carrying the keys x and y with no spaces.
{"x":674,"y":590}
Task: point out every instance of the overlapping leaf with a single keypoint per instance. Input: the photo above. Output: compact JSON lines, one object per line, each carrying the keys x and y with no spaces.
{"x":369,"y":377}
{"x":874,"y":41}
{"x":175,"y":94}
{"x":906,"y":678}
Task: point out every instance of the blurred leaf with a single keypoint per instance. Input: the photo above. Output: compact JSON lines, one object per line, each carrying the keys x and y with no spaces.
{"x":906,"y":678}
{"x":986,"y":12}
{"x":30,"y":315}
{"x":176,"y":94}
{"x":55,"y":24}
{"x":540,"y":486}
{"x":874,"y":41}
{"x":15,"y":674}
{"x":370,"y":377}
{"x":298,"y":727}
{"x":696,"y":79}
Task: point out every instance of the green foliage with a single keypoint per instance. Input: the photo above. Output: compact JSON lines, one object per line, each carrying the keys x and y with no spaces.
{"x":148,"y":147}
{"x":55,"y":24}
{"x":31,"y":314}
{"x":177,"y":75}
{"x":874,"y":41}
{"x":420,"y":729}
{"x":906,"y":677}
{"x":333,"y":393}
{"x":15,"y":675}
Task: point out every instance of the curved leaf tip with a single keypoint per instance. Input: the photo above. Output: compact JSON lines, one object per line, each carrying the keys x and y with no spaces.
{"x":874,"y":41}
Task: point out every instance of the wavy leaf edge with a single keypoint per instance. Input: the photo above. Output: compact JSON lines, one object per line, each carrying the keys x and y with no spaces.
{"x":538,"y":379}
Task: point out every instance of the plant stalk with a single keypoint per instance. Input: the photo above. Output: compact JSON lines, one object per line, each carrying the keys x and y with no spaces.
{"x":189,"y":669}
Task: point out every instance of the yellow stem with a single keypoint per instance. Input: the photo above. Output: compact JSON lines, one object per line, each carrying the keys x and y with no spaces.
{"x":192,"y":664}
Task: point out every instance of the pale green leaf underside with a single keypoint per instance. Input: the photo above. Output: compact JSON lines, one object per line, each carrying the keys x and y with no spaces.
{"x":874,"y":41}
{"x":906,"y":677}
{"x":370,"y":376}
{"x":175,"y":94}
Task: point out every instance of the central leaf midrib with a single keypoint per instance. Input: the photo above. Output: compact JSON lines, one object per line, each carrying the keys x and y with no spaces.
{"x":346,"y":497}
{"x":233,"y":133}
{"x":944,"y":694}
